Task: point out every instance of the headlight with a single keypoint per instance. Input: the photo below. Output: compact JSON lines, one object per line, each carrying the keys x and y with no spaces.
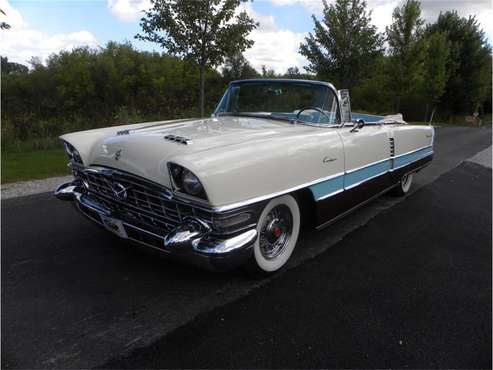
{"x":72,"y":153}
{"x":185,"y":181}
{"x":191,"y":183}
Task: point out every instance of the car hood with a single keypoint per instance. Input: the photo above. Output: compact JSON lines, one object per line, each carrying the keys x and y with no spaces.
{"x":146,"y":149}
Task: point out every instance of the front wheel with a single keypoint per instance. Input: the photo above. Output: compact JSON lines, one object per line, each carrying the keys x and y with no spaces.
{"x":278,"y":229}
{"x":404,"y":185}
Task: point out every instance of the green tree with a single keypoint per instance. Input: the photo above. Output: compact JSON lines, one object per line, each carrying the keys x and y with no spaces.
{"x":436,"y":73}
{"x":404,"y":37}
{"x":268,"y":72}
{"x":204,"y":32}
{"x":344,"y":45}
{"x":12,"y":67}
{"x":469,"y":63}
{"x":236,"y":67}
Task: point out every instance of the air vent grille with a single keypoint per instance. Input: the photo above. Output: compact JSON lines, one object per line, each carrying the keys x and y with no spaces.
{"x":178,"y":139}
{"x":392,"y":147}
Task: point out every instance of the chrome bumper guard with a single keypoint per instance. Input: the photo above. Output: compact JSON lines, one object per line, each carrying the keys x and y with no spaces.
{"x":190,"y":241}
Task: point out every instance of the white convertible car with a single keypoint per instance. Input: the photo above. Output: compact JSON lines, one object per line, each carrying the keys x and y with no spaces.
{"x":233,"y":189}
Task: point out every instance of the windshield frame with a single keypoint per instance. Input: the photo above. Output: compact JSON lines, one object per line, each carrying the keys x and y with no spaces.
{"x":327,"y":85}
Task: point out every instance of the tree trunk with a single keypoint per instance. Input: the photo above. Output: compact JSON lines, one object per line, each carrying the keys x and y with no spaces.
{"x":432,"y":114}
{"x":202,"y":89}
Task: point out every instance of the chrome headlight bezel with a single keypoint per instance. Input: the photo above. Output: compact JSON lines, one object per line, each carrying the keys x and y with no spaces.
{"x":186,"y":182}
{"x":72,"y":153}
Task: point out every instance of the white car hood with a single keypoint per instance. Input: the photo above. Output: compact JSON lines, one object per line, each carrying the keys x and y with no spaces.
{"x":143,"y":150}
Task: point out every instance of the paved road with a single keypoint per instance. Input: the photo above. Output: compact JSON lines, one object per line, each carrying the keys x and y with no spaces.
{"x":410,"y":289}
{"x":73,"y":296}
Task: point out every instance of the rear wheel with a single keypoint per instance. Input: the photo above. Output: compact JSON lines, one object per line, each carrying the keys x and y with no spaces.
{"x":278,"y":230}
{"x":404,"y":185}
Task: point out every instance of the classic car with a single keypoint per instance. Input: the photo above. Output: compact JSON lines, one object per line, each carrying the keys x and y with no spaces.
{"x":233,"y":189}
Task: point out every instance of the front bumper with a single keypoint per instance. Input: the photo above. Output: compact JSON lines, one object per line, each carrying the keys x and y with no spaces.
{"x":191,"y":241}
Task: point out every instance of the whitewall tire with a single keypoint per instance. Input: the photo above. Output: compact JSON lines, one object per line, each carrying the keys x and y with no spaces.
{"x":404,"y":185}
{"x":278,"y":229}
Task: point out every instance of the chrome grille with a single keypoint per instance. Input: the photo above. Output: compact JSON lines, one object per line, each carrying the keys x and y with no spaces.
{"x":145,"y":201}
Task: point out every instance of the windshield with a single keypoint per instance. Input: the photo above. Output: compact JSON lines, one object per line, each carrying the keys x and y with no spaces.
{"x":289,"y":100}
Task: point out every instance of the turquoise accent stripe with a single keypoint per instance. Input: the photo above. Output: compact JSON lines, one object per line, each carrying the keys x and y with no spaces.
{"x":327,"y":187}
{"x":365,"y":173}
{"x":412,"y":157}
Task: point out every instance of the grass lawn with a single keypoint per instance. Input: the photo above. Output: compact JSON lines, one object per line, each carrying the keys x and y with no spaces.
{"x":19,"y":166}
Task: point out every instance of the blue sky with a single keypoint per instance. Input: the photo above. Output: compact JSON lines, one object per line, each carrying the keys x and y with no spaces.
{"x":40,"y":28}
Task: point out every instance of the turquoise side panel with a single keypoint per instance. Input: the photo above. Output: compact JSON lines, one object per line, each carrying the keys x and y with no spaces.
{"x":408,"y":158}
{"x":327,"y":187}
{"x":366,"y":173}
{"x":339,"y":183}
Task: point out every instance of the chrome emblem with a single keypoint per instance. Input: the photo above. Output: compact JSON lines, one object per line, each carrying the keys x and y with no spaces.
{"x":119,"y":190}
{"x":118,"y":154}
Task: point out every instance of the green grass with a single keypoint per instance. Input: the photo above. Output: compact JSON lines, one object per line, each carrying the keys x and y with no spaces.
{"x":39,"y":164}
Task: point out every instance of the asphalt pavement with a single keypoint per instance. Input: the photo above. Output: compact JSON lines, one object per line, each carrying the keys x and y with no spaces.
{"x":74,"y":296}
{"x":410,"y":289}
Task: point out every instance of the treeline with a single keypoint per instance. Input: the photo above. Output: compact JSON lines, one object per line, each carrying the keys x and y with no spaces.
{"x":423,"y":71}
{"x":412,"y":68}
{"x":87,"y":88}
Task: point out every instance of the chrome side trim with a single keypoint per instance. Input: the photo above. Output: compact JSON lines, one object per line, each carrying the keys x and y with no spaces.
{"x":330,"y":195}
{"x":273,"y":195}
{"x":228,"y":207}
{"x":413,"y":151}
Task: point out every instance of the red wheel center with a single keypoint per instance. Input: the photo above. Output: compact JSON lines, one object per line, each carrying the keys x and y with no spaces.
{"x":277,"y":231}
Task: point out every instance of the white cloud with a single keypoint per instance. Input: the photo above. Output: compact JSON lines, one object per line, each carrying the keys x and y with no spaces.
{"x":128,"y":10}
{"x":22,"y":42}
{"x":277,"y":50}
{"x":274,"y":48}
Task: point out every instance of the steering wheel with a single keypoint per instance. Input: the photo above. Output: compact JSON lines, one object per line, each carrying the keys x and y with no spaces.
{"x":313,"y":108}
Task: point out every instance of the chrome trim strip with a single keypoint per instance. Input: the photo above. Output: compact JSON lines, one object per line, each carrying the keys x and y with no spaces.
{"x":367,"y":165}
{"x":330,"y":194}
{"x":247,"y":202}
{"x":406,"y":164}
{"x":273,"y":195}
{"x":268,"y":196}
{"x":413,"y":151}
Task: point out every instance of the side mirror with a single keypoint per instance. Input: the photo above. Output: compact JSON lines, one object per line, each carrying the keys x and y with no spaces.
{"x":358,"y":125}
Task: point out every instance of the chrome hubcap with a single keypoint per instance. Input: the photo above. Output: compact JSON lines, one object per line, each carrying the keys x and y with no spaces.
{"x":276,"y":232}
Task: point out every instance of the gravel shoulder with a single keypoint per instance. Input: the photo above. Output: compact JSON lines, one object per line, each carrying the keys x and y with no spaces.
{"x":25,"y":188}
